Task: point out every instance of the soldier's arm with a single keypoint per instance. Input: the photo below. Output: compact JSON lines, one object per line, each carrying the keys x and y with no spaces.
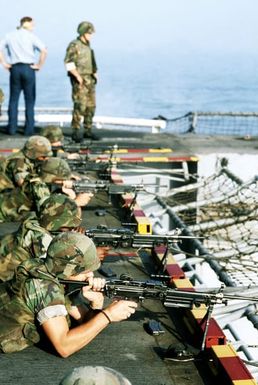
{"x":68,"y":341}
{"x":70,"y":62}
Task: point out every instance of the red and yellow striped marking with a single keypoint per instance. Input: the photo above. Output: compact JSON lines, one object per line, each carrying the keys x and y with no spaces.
{"x":228,"y":364}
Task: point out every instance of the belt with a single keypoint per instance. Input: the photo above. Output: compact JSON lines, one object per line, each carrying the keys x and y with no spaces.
{"x":24,"y":64}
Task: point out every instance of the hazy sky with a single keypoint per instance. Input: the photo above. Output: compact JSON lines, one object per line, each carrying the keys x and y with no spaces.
{"x":185,"y":25}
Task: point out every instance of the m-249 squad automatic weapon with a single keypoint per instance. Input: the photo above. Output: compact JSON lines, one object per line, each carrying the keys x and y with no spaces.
{"x":82,"y":186}
{"x":85,"y":147}
{"x":126,"y":238}
{"x":84,"y":165}
{"x":139,"y":291}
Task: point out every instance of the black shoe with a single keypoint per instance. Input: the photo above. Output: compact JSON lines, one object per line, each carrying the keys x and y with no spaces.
{"x":76,"y":136}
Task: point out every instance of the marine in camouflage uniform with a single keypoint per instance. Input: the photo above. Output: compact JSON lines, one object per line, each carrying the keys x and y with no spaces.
{"x":36,"y":298}
{"x":81,"y":66}
{"x":34,"y":235}
{"x":35,"y":292}
{"x":28,"y":189}
{"x":16,"y":203}
{"x":24,"y":162}
{"x":53,"y":169}
{"x":53,"y":133}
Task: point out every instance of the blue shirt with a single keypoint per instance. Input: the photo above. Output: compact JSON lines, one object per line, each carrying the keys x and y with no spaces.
{"x":21,"y":46}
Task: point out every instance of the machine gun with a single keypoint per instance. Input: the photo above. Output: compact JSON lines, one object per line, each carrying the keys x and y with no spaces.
{"x":139,"y":291}
{"x":111,"y":188}
{"x":83,"y":165}
{"x":85,"y":147}
{"x":125,"y":238}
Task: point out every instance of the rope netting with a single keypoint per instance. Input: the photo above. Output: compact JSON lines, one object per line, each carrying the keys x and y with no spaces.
{"x":215,"y":123}
{"x":225,"y":211}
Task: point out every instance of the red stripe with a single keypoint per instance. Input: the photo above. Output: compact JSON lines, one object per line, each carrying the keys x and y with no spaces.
{"x":175,"y":272}
{"x":235,"y":368}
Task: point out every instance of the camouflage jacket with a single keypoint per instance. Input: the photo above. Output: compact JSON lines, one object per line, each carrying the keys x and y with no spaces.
{"x":17,"y":202}
{"x":82,"y":56}
{"x":30,"y":241}
{"x":5,"y":182}
{"x":32,"y":289}
{"x":18,"y":166}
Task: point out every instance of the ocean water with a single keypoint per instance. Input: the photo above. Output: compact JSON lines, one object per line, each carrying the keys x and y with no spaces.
{"x":148,"y":84}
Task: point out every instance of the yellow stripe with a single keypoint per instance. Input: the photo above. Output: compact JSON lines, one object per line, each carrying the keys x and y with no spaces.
{"x":155,"y":159}
{"x":118,"y":151}
{"x":182,"y":283}
{"x":222,"y":351}
{"x":170,"y":260}
{"x":244,"y":382}
{"x":144,"y":225}
{"x":160,"y":150}
{"x":200,"y":312}
{"x":194,"y":158}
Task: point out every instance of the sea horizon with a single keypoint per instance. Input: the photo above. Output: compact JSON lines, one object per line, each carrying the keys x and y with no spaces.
{"x":142,"y":85}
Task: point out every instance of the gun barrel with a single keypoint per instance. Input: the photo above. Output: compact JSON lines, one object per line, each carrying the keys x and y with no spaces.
{"x":111,"y":188}
{"x":125,"y":238}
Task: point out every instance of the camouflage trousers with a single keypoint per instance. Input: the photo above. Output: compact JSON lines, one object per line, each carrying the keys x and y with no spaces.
{"x":84,"y":103}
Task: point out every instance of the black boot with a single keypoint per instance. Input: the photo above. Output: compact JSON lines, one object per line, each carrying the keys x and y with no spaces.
{"x":76,"y":136}
{"x":89,"y":135}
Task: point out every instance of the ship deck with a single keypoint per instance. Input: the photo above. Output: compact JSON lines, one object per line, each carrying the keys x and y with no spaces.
{"x":126,"y":346}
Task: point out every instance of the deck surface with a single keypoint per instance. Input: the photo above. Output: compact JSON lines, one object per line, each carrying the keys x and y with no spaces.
{"x":124,"y":346}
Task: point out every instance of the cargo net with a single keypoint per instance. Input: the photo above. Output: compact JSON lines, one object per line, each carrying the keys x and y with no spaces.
{"x":224,"y":210}
{"x":215,"y":123}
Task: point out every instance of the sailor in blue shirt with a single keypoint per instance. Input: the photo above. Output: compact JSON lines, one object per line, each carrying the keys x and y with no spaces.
{"x":20,"y":47}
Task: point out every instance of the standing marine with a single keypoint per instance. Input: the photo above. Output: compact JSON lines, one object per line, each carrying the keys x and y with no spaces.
{"x":82,"y":69}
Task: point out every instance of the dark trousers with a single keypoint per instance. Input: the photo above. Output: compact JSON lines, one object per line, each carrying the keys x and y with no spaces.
{"x":22,"y":78}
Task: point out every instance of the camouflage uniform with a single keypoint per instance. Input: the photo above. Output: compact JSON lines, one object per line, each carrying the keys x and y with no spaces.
{"x":23,"y":163}
{"x":30,"y":241}
{"x":5,"y":182}
{"x":34,"y":235}
{"x":28,"y":190}
{"x":81,"y":56}
{"x":14,"y":204}
{"x":94,"y":375}
{"x":35,"y":295}
{"x":1,"y":100}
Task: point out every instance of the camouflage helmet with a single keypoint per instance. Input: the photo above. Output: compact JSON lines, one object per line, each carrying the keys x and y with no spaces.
{"x":85,"y":27}
{"x":57,"y":211}
{"x":52,"y":133}
{"x":37,"y":146}
{"x":94,"y":375}
{"x":70,"y":253}
{"x":54,"y":168}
